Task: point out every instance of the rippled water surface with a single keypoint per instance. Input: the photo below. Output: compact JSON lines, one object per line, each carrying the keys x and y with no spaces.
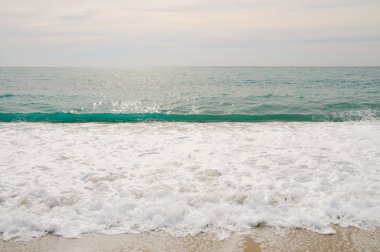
{"x":246,"y":93}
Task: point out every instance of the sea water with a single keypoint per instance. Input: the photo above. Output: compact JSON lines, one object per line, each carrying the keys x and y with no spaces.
{"x":188,"y":149}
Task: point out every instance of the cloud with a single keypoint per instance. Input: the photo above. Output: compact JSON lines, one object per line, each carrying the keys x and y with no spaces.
{"x":170,"y":26}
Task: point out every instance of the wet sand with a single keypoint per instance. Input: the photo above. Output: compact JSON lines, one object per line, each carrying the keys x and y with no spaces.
{"x":260,"y":239}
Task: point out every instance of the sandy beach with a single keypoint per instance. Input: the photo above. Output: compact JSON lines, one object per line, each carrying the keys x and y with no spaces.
{"x":260,"y":239}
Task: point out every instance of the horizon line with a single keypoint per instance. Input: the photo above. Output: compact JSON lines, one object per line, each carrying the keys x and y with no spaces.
{"x":147,"y":66}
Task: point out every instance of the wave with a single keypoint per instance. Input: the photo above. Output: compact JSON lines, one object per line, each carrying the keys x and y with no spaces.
{"x":6,"y":95}
{"x":185,"y":179}
{"x":63,"y":117}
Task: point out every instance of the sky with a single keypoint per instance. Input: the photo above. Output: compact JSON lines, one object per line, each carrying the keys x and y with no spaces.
{"x":189,"y":32}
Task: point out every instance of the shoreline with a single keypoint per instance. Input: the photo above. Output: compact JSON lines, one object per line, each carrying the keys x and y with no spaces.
{"x":259,"y":239}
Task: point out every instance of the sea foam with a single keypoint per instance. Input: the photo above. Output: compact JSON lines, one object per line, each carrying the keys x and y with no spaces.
{"x":186,"y":178}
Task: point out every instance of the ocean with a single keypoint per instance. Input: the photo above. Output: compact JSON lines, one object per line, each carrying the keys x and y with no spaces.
{"x":189,"y":94}
{"x":188,"y":149}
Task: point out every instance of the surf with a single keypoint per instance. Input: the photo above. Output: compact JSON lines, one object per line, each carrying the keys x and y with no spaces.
{"x":62,"y":117}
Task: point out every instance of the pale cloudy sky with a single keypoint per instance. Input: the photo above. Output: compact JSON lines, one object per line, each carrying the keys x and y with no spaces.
{"x":189,"y":32}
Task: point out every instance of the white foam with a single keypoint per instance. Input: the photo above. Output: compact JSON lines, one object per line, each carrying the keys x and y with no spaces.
{"x":70,"y":179}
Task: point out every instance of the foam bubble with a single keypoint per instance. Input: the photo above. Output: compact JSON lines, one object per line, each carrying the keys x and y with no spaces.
{"x":70,"y":179}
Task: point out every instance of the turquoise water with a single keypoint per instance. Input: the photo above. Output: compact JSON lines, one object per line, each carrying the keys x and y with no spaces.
{"x":189,"y":94}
